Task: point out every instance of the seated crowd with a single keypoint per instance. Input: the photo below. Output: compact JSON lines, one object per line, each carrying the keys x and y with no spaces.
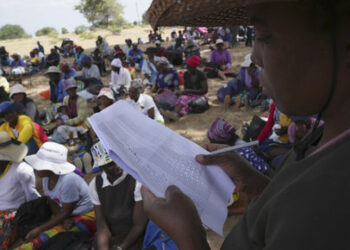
{"x":109,"y":211}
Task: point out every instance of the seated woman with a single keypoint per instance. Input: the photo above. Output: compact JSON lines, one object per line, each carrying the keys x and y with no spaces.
{"x":17,"y":186}
{"x":78,"y":55}
{"x":77,"y":108}
{"x":18,"y":94}
{"x":191,"y":49}
{"x":117,"y":200}
{"x":174,"y":53}
{"x":68,"y":192}
{"x":67,"y":71}
{"x":221,"y":57}
{"x":19,"y":127}
{"x":17,"y":65}
{"x":90,"y":73}
{"x":144,"y":102}
{"x":120,"y":78}
{"x":166,"y":83}
{"x":53,"y":59}
{"x":149,"y":69}
{"x":135,"y":57}
{"x":246,"y":86}
{"x":196,"y":85}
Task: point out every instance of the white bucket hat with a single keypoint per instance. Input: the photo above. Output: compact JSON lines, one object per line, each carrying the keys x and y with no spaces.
{"x":11,"y":149}
{"x":53,"y":157}
{"x":107,"y":92}
{"x":219,"y":41}
{"x":247,"y":61}
{"x":16,"y":89}
{"x":100,"y":155}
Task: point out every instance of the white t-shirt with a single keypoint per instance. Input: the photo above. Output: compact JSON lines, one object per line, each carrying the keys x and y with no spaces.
{"x":92,"y":72}
{"x":17,"y":186}
{"x":70,"y":188}
{"x":105,"y":183}
{"x":145,"y":103}
{"x":126,"y":50}
{"x":121,"y":79}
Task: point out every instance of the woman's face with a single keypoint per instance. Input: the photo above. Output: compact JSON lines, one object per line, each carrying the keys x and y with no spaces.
{"x":72,"y":92}
{"x":104,"y":101}
{"x":295,"y":59}
{"x":18,"y":97}
{"x":11,"y":117}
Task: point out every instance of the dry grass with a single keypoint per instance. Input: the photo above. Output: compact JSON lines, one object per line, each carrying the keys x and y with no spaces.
{"x":193,"y":127}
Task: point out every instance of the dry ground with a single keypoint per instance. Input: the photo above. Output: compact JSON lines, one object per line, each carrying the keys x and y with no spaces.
{"x":193,"y":126}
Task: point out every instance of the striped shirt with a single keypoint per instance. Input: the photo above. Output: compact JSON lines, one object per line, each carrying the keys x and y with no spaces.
{"x":82,"y":111}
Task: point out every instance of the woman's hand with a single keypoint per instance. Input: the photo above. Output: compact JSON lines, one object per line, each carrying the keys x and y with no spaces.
{"x":33,"y":234}
{"x":177,"y":216}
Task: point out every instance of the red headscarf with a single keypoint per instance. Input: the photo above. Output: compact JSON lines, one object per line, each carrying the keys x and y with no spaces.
{"x":194,"y":61}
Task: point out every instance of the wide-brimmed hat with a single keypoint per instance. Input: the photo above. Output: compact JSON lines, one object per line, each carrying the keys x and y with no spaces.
{"x":11,"y":149}
{"x":107,"y":92}
{"x":53,"y":70}
{"x":9,"y":107}
{"x":17,"y":89}
{"x":247,"y":61}
{"x":68,"y":84}
{"x":53,"y":157}
{"x":219,"y":41}
{"x":100,"y":155}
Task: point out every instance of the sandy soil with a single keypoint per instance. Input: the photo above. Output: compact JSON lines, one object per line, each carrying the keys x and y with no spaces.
{"x":193,"y":127}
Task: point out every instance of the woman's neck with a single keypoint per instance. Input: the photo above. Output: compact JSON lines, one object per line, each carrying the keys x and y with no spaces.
{"x":53,"y":181}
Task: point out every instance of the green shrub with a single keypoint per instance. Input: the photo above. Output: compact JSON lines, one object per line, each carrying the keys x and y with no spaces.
{"x":64,"y":31}
{"x":81,"y":29}
{"x":11,"y":31}
{"x":47,"y":31}
{"x":87,"y":35}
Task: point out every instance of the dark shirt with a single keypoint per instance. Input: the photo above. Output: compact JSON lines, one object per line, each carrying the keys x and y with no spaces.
{"x":305,"y":206}
{"x":197,"y":85}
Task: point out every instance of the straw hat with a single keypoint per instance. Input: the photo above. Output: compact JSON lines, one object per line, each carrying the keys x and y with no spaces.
{"x":53,"y":157}
{"x":100,"y":155}
{"x":11,"y":149}
{"x":16,"y":89}
{"x":68,"y":84}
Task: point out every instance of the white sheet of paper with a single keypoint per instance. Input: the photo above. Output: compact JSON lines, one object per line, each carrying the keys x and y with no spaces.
{"x":158,"y":157}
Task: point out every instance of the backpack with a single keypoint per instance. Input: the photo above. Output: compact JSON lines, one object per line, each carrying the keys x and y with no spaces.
{"x":198,"y":105}
{"x":157,"y":239}
{"x":32,"y":214}
{"x":211,"y":69}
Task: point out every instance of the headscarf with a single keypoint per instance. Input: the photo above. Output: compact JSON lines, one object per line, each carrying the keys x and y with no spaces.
{"x":194,"y":61}
{"x":117,"y":63}
{"x":221,"y":131}
{"x":86,"y":59}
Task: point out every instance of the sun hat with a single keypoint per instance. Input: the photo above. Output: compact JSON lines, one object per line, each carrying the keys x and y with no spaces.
{"x":117,"y":63}
{"x":194,"y":61}
{"x":219,"y":41}
{"x":9,"y":107}
{"x":11,"y":149}
{"x":100,"y":155}
{"x":107,"y":92}
{"x":68,"y":84}
{"x":53,"y":70}
{"x":53,"y":157}
{"x":247,"y":61}
{"x":16,"y":89}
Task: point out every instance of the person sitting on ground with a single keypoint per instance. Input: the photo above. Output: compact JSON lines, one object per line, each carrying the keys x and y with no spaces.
{"x":53,"y":59}
{"x":56,"y":84}
{"x":135,"y":57}
{"x":246,"y":86}
{"x":174,"y":53}
{"x":77,"y":107}
{"x":118,"y":53}
{"x":120,"y":79}
{"x":98,"y":60}
{"x":66,"y":47}
{"x":221,"y":57}
{"x":160,"y":49}
{"x":127,"y":47}
{"x":34,"y":59}
{"x":17,"y":186}
{"x":90,"y":73}
{"x":18,"y":94}
{"x":4,"y":57}
{"x":17,"y":65}
{"x":118,"y":206}
{"x":144,"y":102}
{"x":40,"y":55}
{"x":196,"y":86}
{"x":19,"y":127}
{"x":65,"y":130}
{"x":68,"y":196}
{"x":67,"y":71}
{"x":78,"y":56}
{"x":149,"y":69}
{"x":191,"y":49}
{"x":103,"y":47}
{"x":166,"y":83}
